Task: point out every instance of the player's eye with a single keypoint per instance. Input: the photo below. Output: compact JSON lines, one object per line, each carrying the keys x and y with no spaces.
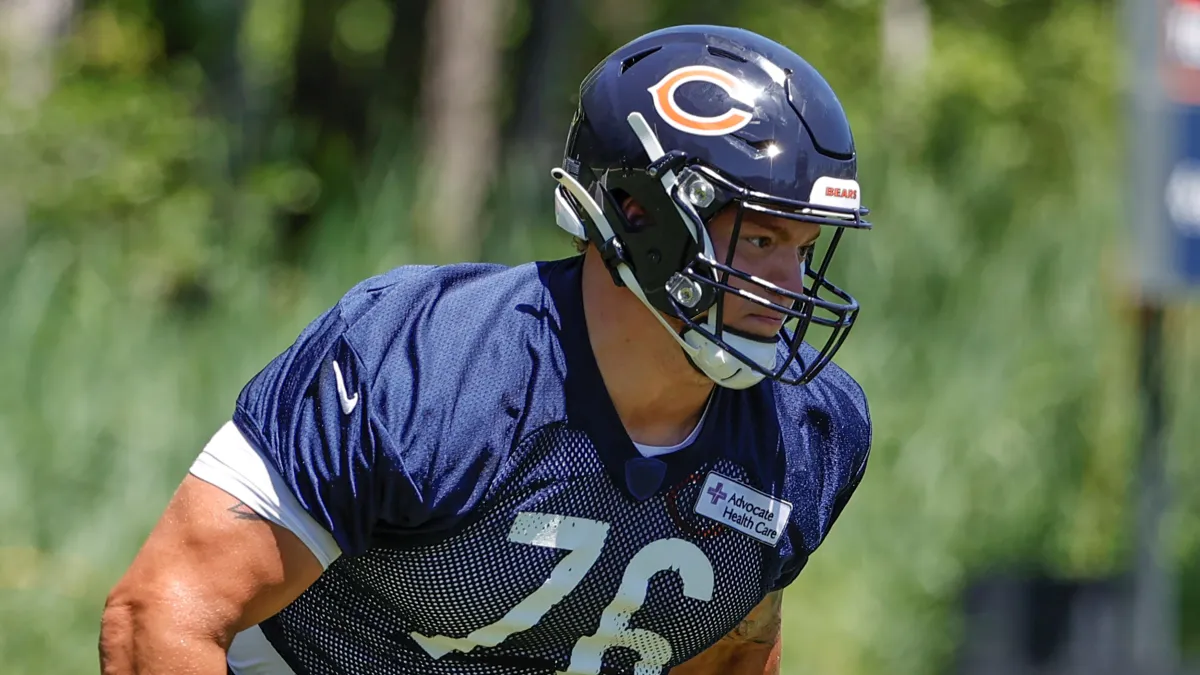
{"x":805,"y":253}
{"x":758,"y":242}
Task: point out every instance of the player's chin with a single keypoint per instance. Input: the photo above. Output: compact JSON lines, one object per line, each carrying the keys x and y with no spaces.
{"x":758,"y":326}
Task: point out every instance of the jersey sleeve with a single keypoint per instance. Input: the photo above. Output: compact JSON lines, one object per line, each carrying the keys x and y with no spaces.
{"x":794,"y":564}
{"x":792,"y":567}
{"x":229,"y":462}
{"x":852,"y":432}
{"x":310,"y":414}
{"x":841,"y":426}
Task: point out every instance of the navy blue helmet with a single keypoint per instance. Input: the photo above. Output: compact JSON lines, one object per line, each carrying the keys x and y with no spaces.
{"x":691,"y":120}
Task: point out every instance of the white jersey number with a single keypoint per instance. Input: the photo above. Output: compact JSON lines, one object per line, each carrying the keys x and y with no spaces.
{"x":677,"y":555}
{"x":585,"y":538}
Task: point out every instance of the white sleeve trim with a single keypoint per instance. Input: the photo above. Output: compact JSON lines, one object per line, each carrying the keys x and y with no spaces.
{"x":252,"y":654}
{"x":232,"y":464}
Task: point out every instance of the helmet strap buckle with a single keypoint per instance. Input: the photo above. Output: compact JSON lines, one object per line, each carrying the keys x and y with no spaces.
{"x":613,"y":254}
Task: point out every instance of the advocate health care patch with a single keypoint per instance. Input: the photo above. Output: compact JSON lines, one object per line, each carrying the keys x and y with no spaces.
{"x":743,"y":508}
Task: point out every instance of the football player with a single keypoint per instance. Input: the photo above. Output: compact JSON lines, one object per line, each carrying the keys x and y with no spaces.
{"x":609,"y":463}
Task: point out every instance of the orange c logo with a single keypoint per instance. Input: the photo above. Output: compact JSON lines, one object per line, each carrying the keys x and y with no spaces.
{"x":726,"y":123}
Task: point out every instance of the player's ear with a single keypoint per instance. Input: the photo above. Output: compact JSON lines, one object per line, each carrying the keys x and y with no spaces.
{"x":628,"y":204}
{"x":635,"y":213}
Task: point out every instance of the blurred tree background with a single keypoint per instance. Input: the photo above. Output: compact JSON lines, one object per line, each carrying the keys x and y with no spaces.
{"x":184,"y":184}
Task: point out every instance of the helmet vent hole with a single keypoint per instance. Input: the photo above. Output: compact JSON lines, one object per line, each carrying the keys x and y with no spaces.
{"x":724,"y":53}
{"x":631,"y":61}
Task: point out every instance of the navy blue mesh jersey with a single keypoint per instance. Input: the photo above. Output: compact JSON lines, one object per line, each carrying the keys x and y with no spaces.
{"x":450,"y":428}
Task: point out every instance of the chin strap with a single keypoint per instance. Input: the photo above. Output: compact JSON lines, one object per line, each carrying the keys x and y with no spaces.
{"x":565,"y":215}
{"x":710,"y":358}
{"x":723,"y":367}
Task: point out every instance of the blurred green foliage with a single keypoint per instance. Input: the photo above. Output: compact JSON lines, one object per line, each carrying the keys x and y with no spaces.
{"x":150,"y":264}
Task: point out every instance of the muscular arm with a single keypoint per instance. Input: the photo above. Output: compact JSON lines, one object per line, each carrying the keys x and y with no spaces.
{"x":210,"y":568}
{"x":750,"y":649}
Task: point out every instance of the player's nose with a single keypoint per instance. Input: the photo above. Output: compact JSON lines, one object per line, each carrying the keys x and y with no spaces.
{"x":786,"y":272}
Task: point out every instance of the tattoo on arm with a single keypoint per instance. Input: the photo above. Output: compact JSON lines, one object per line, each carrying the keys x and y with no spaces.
{"x":753,"y":647}
{"x":763,"y":623}
{"x":243,"y":512}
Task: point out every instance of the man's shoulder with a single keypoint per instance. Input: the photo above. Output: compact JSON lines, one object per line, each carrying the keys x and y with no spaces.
{"x":422,"y":373}
{"x":455,"y":308}
{"x":825,"y":429}
{"x":424,"y":339}
{"x":825,"y":425}
{"x":391,"y":296}
{"x":451,"y":348}
{"x":833,"y":394}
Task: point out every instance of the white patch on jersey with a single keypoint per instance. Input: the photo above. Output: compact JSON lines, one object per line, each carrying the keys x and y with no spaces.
{"x":743,"y":508}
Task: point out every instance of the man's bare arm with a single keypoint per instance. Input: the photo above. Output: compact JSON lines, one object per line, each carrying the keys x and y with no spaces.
{"x":752,"y":648}
{"x":210,"y":568}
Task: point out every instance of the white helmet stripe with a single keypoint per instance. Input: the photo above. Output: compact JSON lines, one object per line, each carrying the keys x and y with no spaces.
{"x":669,"y":180}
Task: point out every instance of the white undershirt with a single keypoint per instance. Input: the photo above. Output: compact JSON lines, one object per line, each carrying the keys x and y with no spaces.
{"x":660,"y":450}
